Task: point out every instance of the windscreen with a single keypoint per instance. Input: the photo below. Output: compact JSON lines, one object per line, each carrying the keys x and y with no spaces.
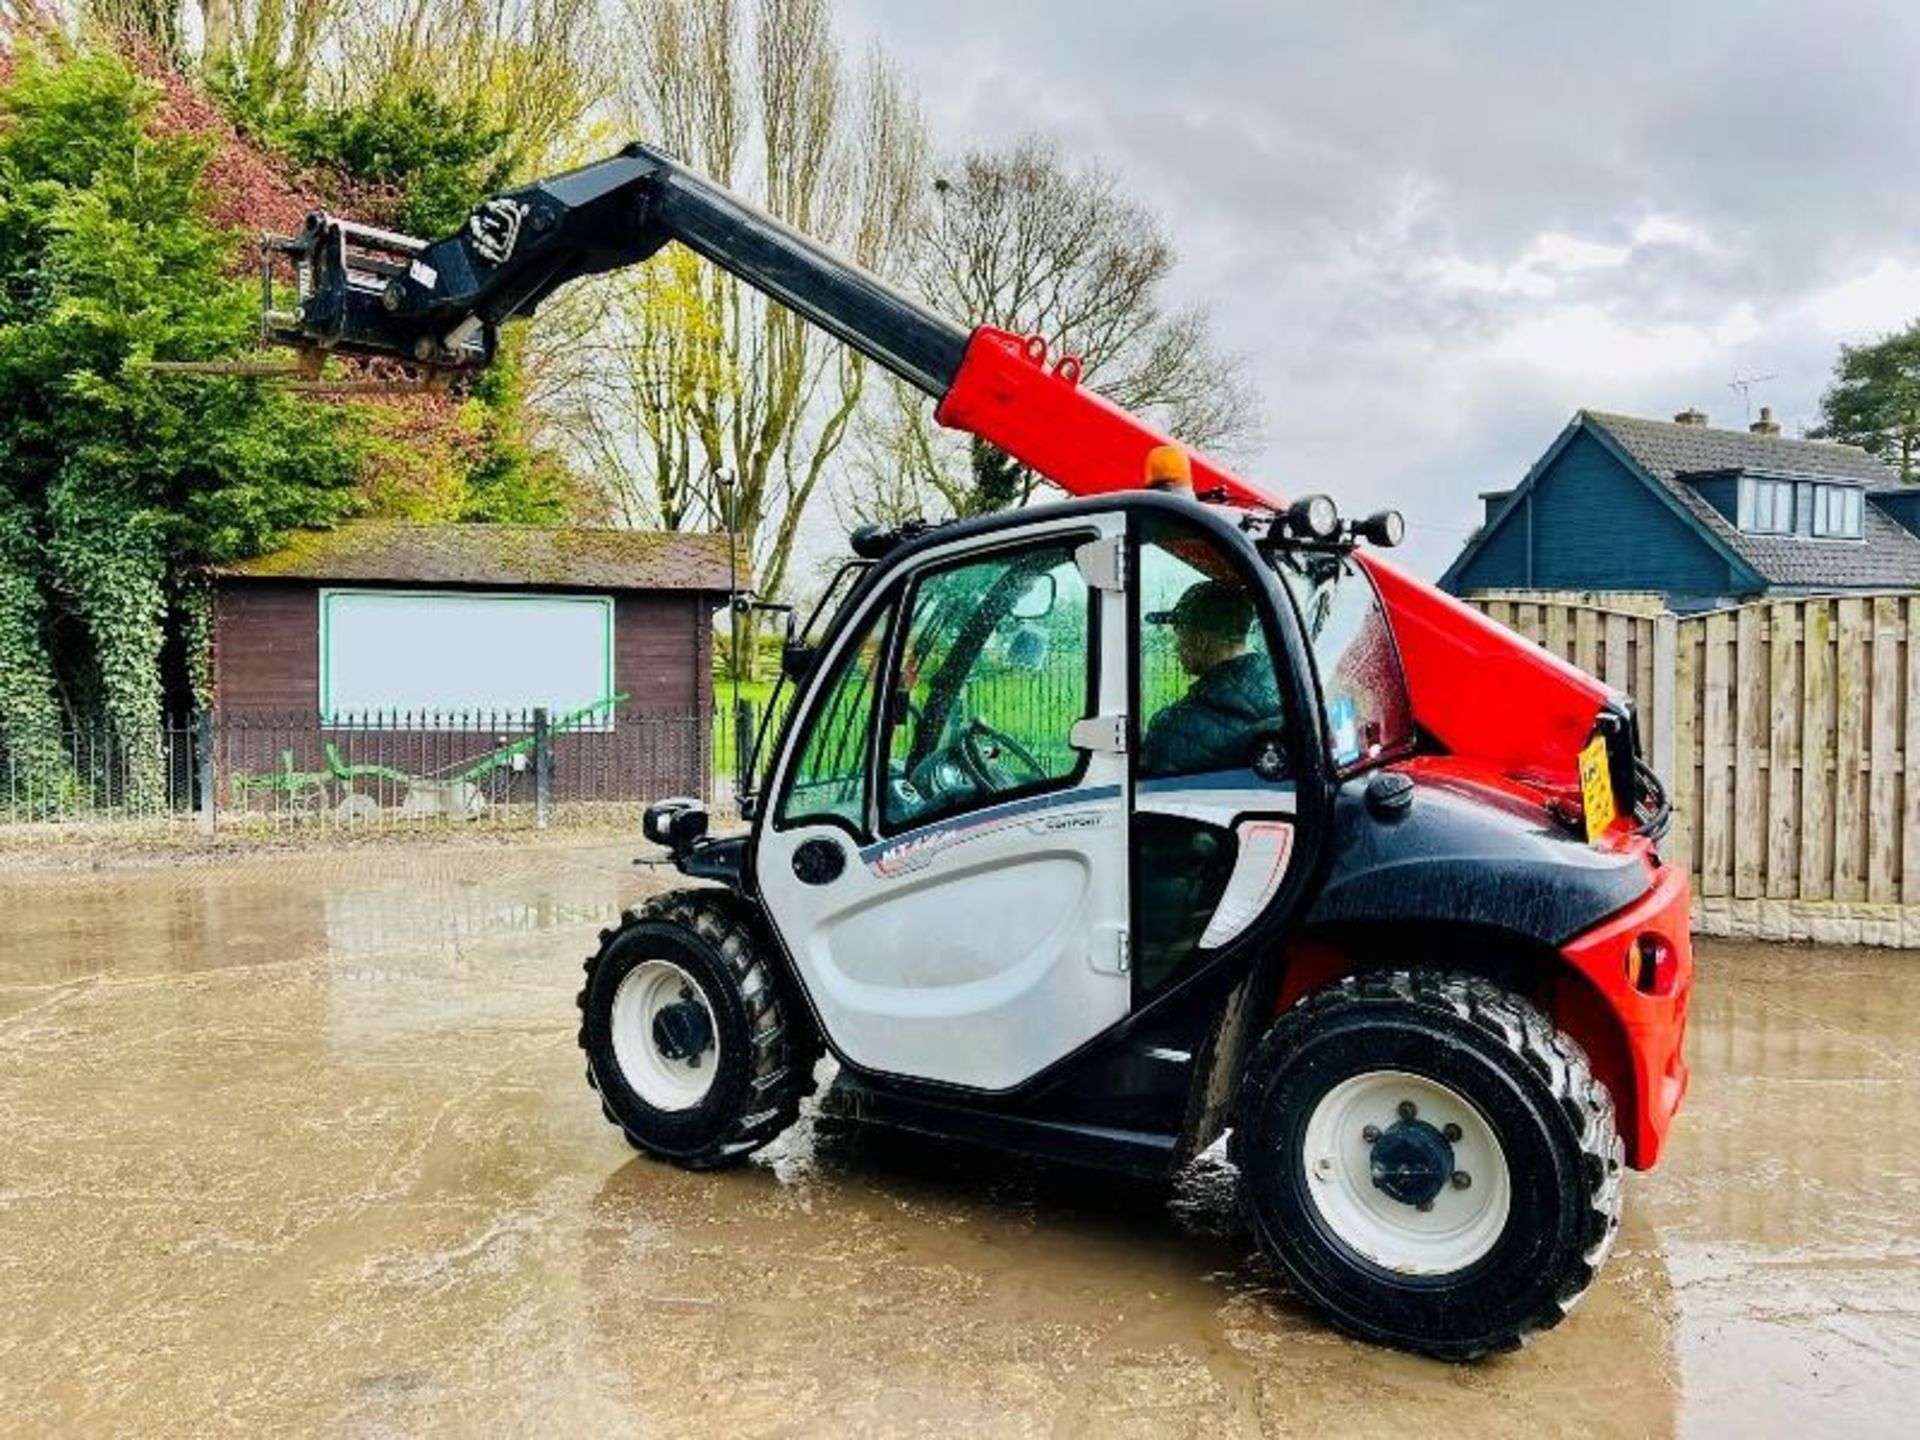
{"x":1362,"y":685}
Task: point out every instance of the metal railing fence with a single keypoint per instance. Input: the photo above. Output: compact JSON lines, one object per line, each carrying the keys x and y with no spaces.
{"x":279,"y":770}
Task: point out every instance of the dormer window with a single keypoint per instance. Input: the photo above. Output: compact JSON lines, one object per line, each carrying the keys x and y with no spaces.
{"x":1766,"y":506}
{"x":1836,"y":512}
{"x":1815,"y":509}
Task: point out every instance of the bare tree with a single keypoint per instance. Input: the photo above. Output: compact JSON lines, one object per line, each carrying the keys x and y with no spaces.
{"x":152,"y":25}
{"x":270,"y":46}
{"x":538,"y":68}
{"x":688,"y":374}
{"x":1022,"y":240}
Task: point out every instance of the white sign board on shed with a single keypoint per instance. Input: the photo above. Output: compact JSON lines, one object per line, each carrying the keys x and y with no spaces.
{"x":444,"y":654}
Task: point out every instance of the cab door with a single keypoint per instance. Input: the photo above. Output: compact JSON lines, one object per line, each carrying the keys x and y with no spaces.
{"x":1216,"y":764}
{"x":946,"y":856}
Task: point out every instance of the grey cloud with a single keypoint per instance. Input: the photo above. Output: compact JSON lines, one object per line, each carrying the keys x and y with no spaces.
{"x":1352,"y":182}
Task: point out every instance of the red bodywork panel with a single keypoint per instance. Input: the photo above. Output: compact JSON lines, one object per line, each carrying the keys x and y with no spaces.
{"x":1636,"y":1037}
{"x":1483,"y":691}
{"x":1505,"y":711}
{"x":1005,"y":393}
{"x":1479,"y":689}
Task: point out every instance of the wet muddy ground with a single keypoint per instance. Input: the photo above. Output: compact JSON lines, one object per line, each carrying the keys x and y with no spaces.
{"x":302,"y":1144}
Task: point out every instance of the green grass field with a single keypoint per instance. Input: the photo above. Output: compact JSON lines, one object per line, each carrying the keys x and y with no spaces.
{"x":754,"y":694}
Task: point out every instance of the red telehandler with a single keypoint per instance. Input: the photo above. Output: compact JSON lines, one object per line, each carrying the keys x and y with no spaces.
{"x":1099,"y":829}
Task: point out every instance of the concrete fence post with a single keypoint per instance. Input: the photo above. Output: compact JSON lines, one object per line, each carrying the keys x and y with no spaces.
{"x":203,"y":770}
{"x":1666,"y":679}
{"x":542,"y":767}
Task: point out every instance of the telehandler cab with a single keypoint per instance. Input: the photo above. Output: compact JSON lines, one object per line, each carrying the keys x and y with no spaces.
{"x":1099,"y":829}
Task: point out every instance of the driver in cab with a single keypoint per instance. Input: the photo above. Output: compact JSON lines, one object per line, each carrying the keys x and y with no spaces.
{"x":1234,"y":699}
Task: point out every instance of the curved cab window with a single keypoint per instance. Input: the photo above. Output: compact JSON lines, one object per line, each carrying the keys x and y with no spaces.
{"x":1209,"y":692}
{"x":1365,"y":690}
{"x":829,"y":780}
{"x":1210,"y":706}
{"x":992,"y":675}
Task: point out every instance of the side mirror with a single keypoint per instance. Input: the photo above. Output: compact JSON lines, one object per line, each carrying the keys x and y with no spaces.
{"x":677,"y":823}
{"x":1036,"y":601}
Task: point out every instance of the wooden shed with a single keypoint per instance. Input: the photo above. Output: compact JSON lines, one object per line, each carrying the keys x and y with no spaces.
{"x":403,"y":635}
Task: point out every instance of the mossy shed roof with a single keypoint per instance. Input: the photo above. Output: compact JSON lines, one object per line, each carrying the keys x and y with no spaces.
{"x":502,"y":555}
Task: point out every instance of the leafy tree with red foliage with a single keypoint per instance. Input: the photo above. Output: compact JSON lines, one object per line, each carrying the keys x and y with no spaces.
{"x":115,"y":480}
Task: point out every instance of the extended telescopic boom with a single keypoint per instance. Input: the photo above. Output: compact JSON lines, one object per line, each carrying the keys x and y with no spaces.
{"x":1477,"y":688}
{"x":439,"y":305}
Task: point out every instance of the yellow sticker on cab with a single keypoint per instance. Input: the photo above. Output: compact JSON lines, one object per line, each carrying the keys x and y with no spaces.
{"x":1596,"y":787}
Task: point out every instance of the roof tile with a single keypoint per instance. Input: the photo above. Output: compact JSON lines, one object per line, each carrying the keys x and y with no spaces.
{"x":1889,"y":556}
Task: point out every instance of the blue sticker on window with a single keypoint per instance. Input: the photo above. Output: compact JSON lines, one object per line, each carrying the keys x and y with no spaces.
{"x":1344,"y":722}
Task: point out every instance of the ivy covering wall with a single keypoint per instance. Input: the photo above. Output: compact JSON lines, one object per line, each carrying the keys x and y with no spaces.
{"x":117,"y":481}
{"x":116,"y":478}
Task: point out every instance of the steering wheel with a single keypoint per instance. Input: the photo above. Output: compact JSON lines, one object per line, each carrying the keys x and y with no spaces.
{"x":983,"y":750}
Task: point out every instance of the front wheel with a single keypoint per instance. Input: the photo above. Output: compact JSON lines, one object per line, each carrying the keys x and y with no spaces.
{"x":698,"y":1051}
{"x":1433,"y":1163}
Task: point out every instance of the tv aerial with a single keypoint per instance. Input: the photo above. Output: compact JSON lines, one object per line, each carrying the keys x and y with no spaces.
{"x":1742,"y":385}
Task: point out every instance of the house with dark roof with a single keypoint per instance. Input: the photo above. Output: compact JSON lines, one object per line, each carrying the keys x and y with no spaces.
{"x":1698,"y":515}
{"x":419,"y":646}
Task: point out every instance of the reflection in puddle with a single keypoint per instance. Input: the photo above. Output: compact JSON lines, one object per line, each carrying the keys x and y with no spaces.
{"x":323,"y":1121}
{"x":378,"y":920}
{"x":894,"y":1281}
{"x":1786,"y":1208}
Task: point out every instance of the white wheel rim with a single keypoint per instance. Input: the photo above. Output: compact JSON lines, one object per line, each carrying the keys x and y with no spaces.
{"x":1464,"y":1219}
{"x":664,"y":1081}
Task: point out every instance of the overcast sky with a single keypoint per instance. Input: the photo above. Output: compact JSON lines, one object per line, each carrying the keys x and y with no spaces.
{"x":1437,"y":229}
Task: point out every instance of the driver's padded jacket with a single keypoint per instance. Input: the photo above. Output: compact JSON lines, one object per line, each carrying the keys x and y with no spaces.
{"x":1217,"y":724}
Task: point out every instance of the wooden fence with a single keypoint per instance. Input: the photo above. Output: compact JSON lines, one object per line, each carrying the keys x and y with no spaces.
{"x":1788,"y":735}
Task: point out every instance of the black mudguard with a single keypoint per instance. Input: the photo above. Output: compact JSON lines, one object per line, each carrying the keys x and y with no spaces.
{"x":1466,"y":855}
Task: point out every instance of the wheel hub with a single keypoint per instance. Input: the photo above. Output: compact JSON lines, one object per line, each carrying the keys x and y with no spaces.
{"x":683,"y":1031}
{"x":1411,"y":1162}
{"x":665,"y":1041}
{"x":1406,"y":1172}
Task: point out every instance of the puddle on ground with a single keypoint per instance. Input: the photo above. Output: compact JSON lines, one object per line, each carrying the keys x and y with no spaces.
{"x":303,"y":1143}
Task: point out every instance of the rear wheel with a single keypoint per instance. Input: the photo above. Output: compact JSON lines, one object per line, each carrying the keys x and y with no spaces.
{"x":1432,"y":1162}
{"x":698,"y":1052}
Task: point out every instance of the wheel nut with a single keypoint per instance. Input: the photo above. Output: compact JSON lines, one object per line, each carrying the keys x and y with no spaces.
{"x":1408,"y":1110}
{"x":1424,"y":1206}
{"x":1370,"y":1134}
{"x":1451,"y":1131}
{"x":1323,"y":1167}
{"x":1461,"y":1180}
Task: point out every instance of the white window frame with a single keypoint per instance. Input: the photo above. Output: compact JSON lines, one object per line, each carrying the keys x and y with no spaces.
{"x":1760,"y":506}
{"x":504,"y":718}
{"x":1837,"y":513}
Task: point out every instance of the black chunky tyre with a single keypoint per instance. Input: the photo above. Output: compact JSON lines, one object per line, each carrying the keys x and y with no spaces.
{"x":1362,"y":1117}
{"x":718,"y":1002}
